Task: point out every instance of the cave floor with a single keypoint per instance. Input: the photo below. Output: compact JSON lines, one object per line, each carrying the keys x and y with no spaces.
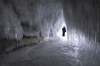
{"x":52,"y":52}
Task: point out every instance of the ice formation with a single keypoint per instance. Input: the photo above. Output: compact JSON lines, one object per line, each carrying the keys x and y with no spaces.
{"x":30,"y":18}
{"x":46,"y":17}
{"x":10,"y":26}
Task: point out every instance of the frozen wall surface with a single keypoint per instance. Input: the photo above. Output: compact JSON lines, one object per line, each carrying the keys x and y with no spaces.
{"x":45,"y":17}
{"x":29,"y":21}
{"x":82,"y":15}
{"x":10,"y":26}
{"x":29,"y":18}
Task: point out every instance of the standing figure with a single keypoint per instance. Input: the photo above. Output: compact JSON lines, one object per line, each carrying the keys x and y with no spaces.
{"x":63,"y":31}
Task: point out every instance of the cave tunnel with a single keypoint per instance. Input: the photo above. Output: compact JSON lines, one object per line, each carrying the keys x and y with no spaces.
{"x":49,"y":33}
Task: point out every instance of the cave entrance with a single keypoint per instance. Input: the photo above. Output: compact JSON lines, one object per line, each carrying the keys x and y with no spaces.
{"x":62,"y":30}
{"x":62,"y":33}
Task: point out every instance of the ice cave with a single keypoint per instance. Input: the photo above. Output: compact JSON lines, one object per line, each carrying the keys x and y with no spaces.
{"x":49,"y":33}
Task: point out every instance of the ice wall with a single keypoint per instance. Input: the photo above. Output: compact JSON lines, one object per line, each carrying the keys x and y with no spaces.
{"x":30,"y":18}
{"x":38,"y":17}
{"x":44,"y":17}
{"x":10,"y":27}
{"x":82,"y":15}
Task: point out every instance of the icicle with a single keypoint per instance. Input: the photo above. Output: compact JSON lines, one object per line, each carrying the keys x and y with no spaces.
{"x":98,"y":19}
{"x":16,"y":37}
{"x":96,"y":37}
{"x":17,"y":43}
{"x":1,"y":29}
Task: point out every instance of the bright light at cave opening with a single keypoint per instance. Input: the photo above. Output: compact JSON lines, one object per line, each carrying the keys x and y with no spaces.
{"x":60,"y":32}
{"x":62,"y":24}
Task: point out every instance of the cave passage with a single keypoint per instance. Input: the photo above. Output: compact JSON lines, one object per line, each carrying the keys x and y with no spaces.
{"x":49,"y":33}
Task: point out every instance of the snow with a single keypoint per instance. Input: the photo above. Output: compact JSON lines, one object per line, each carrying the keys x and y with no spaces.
{"x":53,"y":52}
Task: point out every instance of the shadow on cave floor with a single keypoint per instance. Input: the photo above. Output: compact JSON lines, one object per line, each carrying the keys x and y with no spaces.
{"x":53,"y":52}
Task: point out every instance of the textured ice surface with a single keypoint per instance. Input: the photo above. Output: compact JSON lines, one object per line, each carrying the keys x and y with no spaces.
{"x":30,"y":18}
{"x":54,"y":52}
{"x":10,"y":26}
{"x":42,"y":16}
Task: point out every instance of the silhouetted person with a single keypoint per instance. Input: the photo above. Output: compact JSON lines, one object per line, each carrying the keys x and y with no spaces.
{"x":63,"y":31}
